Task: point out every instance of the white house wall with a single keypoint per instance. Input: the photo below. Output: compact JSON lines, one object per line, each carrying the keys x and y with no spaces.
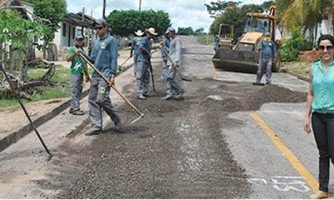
{"x":327,"y":26}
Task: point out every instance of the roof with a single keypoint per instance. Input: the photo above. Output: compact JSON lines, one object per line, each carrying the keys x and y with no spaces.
{"x":79,"y":19}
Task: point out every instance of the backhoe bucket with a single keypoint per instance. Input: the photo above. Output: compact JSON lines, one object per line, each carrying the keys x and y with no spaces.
{"x":237,"y":61}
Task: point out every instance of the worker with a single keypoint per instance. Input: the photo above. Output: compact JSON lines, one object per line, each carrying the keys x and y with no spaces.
{"x":104,"y":55}
{"x":143,"y":64}
{"x":267,"y":50}
{"x":173,"y":89}
{"x":135,"y":47}
{"x":164,"y":54}
{"x":216,"y":43}
{"x":77,"y":70}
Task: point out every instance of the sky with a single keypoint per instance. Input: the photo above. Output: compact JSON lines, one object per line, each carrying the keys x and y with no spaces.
{"x":183,"y":13}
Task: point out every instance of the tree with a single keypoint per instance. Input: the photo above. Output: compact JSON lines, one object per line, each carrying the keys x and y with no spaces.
{"x":17,"y":33}
{"x":185,"y":31}
{"x":301,"y":13}
{"x":125,"y":23}
{"x":232,"y":13}
{"x":199,"y":31}
{"x":216,"y":7}
{"x":52,"y":10}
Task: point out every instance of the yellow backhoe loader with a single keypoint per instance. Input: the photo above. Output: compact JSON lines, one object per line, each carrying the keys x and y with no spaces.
{"x":226,"y":36}
{"x":244,"y":57}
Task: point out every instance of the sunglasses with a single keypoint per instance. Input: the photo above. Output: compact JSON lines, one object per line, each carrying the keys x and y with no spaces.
{"x":99,"y":28}
{"x":322,"y":47}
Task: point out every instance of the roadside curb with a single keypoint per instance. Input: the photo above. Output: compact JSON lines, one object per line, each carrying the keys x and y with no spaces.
{"x":20,"y":133}
{"x":301,"y":77}
{"x":23,"y":131}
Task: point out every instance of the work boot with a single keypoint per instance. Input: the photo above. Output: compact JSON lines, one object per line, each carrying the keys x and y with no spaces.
{"x":146,"y":95}
{"x":166,"y":98}
{"x":78,"y":112}
{"x":71,"y":110}
{"x":118,"y":124}
{"x":179,"y":95}
{"x":93,"y":132}
{"x":141,"y":97}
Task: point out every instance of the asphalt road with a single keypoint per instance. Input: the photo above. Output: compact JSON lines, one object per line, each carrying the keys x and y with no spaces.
{"x":225,"y":139}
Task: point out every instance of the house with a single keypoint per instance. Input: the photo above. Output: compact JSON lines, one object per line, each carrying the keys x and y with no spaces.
{"x":73,"y":25}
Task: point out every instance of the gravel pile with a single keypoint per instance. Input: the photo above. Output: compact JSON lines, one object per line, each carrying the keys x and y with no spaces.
{"x":250,"y":97}
{"x":272,"y":93}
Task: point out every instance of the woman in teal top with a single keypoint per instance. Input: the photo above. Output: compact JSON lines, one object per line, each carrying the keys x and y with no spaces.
{"x":320,"y":110}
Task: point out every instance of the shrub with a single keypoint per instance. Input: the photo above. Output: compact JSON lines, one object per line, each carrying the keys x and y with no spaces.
{"x":290,"y":48}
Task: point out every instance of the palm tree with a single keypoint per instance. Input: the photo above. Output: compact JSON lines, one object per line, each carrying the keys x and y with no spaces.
{"x":302,"y":13}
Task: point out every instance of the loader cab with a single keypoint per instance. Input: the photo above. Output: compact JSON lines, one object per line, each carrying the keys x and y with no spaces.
{"x":257,"y":25}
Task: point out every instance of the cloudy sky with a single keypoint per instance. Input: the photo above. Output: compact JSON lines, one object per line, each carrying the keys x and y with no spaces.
{"x":183,"y":13}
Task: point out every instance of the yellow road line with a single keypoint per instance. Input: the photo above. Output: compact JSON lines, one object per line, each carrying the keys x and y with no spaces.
{"x":313,"y":183}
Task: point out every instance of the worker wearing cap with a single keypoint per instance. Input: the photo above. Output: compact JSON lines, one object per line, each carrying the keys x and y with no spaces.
{"x":135,"y":47}
{"x":104,"y":55}
{"x":143,"y":64}
{"x":267,"y":50}
{"x":164,"y":54}
{"x":174,"y":90}
{"x":77,"y":70}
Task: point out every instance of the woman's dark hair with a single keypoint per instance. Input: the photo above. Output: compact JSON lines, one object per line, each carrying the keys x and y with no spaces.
{"x":326,"y":37}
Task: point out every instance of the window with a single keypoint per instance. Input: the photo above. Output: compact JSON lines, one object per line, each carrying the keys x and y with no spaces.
{"x":73,"y":32}
{"x":64,"y":30}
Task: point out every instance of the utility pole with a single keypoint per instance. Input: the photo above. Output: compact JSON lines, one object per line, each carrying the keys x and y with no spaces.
{"x":139,"y":5}
{"x":104,"y":9}
{"x":83,"y":20}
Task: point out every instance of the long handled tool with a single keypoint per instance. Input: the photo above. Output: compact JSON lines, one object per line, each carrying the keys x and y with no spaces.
{"x":121,"y":65}
{"x":113,"y":87}
{"x":181,"y":75}
{"x":152,"y":76}
{"x":26,"y":113}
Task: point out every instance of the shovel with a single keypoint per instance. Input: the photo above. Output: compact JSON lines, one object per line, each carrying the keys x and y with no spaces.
{"x":141,"y":115}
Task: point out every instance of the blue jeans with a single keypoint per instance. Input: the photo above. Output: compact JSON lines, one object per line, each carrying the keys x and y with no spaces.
{"x":265,"y":68}
{"x":323,"y":129}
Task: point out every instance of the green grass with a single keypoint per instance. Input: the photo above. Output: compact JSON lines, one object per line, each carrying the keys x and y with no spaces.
{"x":301,"y":68}
{"x":60,"y":89}
{"x":205,"y":39}
{"x":8,"y":103}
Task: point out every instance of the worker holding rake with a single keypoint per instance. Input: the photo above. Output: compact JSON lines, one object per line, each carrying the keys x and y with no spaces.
{"x":174,"y":90}
{"x":104,"y":55}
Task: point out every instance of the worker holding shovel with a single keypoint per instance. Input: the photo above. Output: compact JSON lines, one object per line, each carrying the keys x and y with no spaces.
{"x":104,"y":55}
{"x":174,"y":90}
{"x":77,"y":70}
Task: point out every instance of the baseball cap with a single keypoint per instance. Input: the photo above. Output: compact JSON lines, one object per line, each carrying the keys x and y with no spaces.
{"x":101,"y":22}
{"x":170,"y":29}
{"x":79,"y":37}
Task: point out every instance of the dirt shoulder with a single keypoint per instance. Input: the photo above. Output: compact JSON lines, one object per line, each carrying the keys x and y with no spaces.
{"x":38,"y":109}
